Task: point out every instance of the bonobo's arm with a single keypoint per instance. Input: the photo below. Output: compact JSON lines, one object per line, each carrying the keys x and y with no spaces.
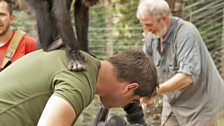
{"x":60,"y":11}
{"x":81,"y":15}
{"x":134,"y":113}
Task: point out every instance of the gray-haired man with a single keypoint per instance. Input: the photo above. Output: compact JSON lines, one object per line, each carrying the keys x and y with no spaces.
{"x":189,"y":81}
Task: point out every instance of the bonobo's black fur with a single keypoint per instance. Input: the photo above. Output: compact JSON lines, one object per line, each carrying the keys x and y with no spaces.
{"x":134,"y":113}
{"x":53,"y":22}
{"x":135,"y":117}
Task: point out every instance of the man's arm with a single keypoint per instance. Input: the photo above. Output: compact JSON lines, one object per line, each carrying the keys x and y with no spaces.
{"x":57,"y":112}
{"x":178,"y":81}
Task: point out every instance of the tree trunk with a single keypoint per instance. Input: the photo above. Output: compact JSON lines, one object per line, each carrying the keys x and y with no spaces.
{"x":20,"y":4}
{"x":176,"y":7}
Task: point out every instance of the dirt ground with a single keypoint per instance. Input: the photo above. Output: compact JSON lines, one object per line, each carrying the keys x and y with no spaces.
{"x":152,"y":113}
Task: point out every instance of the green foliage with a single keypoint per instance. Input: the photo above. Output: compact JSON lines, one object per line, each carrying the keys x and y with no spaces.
{"x":207,"y":16}
{"x":22,"y":21}
{"x":114,"y":22}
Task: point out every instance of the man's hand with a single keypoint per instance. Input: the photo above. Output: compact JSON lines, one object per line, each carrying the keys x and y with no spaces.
{"x":150,"y":100}
{"x":147,"y":100}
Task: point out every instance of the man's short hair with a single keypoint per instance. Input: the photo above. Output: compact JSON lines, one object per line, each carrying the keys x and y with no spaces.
{"x":135,"y":67}
{"x":10,"y":6}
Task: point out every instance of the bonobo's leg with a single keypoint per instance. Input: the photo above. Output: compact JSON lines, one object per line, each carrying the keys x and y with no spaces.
{"x":81,"y":15}
{"x":46,"y":30}
{"x":58,"y":43}
{"x":60,"y":11}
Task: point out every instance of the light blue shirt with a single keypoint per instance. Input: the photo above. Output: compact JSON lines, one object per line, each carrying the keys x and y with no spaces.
{"x":185,"y":52}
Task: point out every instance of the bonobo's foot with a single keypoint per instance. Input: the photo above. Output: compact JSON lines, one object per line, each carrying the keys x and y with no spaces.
{"x":76,"y":61}
{"x":56,"y":45}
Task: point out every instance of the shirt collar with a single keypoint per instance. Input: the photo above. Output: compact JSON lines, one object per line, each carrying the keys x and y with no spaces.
{"x":168,"y":37}
{"x":171,"y":28}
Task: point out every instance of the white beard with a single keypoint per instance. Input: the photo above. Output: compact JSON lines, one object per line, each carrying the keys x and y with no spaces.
{"x":160,"y":33}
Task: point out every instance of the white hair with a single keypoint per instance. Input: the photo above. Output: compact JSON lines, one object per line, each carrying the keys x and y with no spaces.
{"x":154,"y":7}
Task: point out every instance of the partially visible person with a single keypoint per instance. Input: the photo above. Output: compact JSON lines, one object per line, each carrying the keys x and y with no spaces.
{"x":192,"y":88}
{"x":13,"y":44}
{"x":40,"y":89}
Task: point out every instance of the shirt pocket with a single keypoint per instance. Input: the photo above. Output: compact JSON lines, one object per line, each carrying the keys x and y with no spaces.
{"x":172,"y":70}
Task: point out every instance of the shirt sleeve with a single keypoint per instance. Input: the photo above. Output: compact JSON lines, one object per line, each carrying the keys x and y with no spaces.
{"x":73,"y":90}
{"x":188,"y":53}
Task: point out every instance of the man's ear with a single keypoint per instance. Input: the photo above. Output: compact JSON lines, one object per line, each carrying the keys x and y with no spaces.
{"x":12,"y":18}
{"x":131,"y":87}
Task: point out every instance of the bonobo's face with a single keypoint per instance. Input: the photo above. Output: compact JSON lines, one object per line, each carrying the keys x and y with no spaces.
{"x":89,"y":3}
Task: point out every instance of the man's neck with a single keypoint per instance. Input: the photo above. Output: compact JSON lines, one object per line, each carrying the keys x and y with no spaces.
{"x":5,"y":38}
{"x":100,"y":78}
{"x":103,"y":78}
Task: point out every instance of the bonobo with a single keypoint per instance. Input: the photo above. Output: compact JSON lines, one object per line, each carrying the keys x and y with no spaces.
{"x":55,"y":27}
{"x":135,"y":117}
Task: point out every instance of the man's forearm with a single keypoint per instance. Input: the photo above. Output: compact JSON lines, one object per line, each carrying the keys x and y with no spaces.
{"x":177,"y":82}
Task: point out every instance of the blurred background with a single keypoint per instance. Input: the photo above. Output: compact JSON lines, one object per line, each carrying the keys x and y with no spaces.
{"x":114,"y":28}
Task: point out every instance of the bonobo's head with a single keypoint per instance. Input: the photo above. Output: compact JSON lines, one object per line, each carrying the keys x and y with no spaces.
{"x":89,"y":3}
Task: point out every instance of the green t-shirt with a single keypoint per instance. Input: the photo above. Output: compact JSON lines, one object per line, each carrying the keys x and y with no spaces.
{"x":27,"y":84}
